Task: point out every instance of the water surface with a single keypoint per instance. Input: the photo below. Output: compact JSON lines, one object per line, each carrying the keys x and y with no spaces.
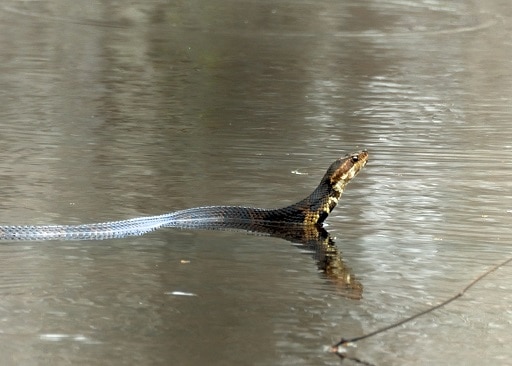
{"x":110,"y":112}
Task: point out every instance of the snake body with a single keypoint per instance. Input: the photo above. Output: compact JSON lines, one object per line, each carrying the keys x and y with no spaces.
{"x":312,"y":210}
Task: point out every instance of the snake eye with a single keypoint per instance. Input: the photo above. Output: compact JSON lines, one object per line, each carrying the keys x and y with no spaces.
{"x":355,"y":158}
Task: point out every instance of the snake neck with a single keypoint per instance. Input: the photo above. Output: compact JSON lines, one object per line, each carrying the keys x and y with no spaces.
{"x":315,"y":208}
{"x":312,"y":210}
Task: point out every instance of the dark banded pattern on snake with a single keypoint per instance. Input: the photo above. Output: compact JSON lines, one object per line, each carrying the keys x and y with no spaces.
{"x":312,"y":210}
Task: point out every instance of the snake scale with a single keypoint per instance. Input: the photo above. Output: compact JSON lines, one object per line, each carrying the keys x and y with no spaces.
{"x":312,"y":210}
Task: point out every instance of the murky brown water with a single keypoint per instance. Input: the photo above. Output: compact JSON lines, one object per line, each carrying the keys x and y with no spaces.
{"x":110,"y":111}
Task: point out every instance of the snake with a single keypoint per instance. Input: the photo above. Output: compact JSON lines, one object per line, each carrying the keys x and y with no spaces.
{"x":310,"y":211}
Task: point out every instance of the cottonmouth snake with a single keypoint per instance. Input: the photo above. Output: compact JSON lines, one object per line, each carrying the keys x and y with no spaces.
{"x":311,"y":211}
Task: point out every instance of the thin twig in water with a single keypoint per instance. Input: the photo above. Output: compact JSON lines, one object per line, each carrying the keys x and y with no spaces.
{"x":339,"y":350}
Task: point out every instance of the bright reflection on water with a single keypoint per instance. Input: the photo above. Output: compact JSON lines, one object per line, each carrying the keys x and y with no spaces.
{"x":111,"y":112}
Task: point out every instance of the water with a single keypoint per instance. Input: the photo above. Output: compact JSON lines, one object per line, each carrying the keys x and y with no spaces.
{"x":109,"y":112}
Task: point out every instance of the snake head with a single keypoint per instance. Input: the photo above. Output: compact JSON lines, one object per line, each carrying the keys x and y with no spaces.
{"x":345,"y":168}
